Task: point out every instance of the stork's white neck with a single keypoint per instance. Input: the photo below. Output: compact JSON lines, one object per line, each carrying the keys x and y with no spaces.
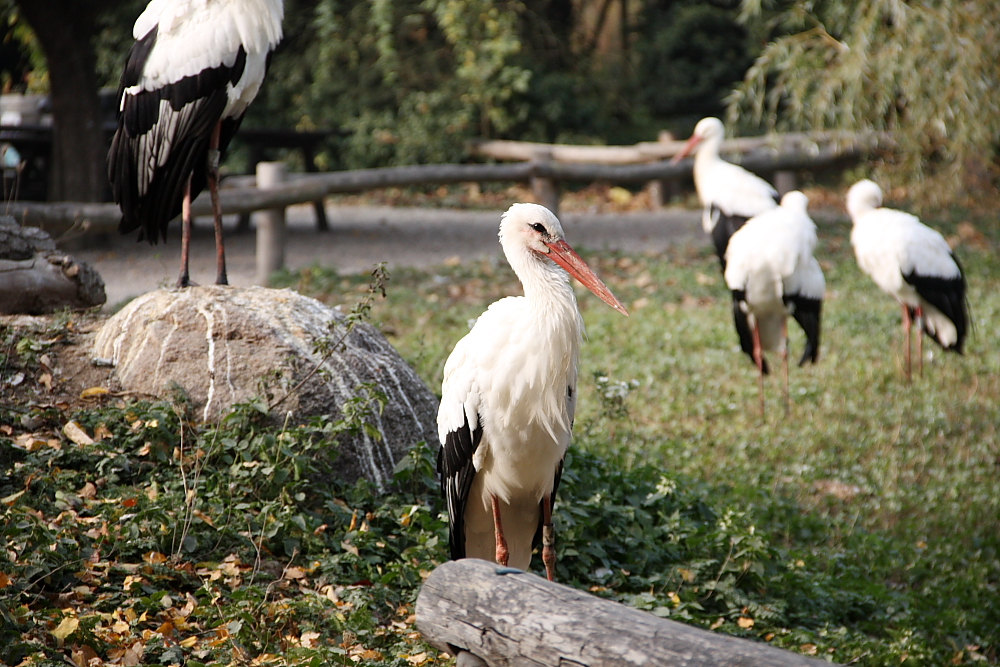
{"x":709,"y":149}
{"x":546,"y":285}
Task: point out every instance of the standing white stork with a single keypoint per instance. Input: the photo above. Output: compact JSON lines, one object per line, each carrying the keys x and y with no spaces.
{"x":772,"y":274}
{"x":730,"y":195}
{"x":509,"y":396}
{"x":912,"y":263}
{"x":195,"y":67}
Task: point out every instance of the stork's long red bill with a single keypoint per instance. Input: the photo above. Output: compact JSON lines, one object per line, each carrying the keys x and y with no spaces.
{"x":566,"y":257}
{"x":688,"y":147}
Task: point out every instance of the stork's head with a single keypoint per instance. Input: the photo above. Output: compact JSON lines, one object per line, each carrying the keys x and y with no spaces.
{"x":706,"y":129}
{"x":795,"y":201}
{"x":863,"y":196}
{"x":531,"y":236}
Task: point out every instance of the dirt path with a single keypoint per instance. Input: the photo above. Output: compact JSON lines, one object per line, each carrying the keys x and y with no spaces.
{"x":362,"y":236}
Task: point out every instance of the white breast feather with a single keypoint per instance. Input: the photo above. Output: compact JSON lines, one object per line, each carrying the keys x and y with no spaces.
{"x":733,"y":189}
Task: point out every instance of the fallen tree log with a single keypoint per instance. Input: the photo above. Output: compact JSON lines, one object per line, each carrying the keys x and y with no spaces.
{"x":507,"y":617}
{"x":35,"y":278}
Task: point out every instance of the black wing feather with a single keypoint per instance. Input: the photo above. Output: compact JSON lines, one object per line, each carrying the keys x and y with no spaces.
{"x":143,"y":135}
{"x":743,"y":330}
{"x":457,"y":472}
{"x":948,"y":296}
{"x":807,"y":313}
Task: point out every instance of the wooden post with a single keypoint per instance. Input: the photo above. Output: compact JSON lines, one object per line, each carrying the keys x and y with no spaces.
{"x":507,"y":617}
{"x":270,"y":224}
{"x":784,"y":181}
{"x":663,"y":190}
{"x":544,"y":188}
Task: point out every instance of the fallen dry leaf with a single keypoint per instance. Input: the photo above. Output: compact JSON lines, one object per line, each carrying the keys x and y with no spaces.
{"x":65,"y":628}
{"x":82,"y":655}
{"x":744,"y":622}
{"x":75,"y":432}
{"x":94,"y":392}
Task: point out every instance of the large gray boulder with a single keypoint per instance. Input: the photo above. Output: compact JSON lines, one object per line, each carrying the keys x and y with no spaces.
{"x":221,"y":343}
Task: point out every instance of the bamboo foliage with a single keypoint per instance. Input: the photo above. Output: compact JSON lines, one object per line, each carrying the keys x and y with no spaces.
{"x":926,"y":71}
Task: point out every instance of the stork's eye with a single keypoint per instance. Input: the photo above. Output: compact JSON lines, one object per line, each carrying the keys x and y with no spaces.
{"x":539,"y":227}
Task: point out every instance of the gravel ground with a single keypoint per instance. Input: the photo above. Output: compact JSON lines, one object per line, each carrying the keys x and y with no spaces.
{"x":362,"y":236}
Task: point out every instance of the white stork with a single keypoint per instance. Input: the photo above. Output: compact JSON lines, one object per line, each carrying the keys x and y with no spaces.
{"x":730,"y":195}
{"x":195,"y":67}
{"x":772,"y":274}
{"x":912,"y":263}
{"x":509,"y":396}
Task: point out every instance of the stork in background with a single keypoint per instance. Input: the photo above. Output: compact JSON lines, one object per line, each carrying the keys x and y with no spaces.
{"x":772,"y":274}
{"x":912,"y":263}
{"x":195,"y":67}
{"x":509,"y":396}
{"x":730,"y":195}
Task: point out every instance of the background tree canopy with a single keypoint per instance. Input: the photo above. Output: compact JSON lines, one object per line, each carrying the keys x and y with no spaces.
{"x":924,"y":70}
{"x":412,"y":81}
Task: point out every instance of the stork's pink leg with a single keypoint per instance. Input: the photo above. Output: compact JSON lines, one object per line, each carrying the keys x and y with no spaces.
{"x":184,"y":279}
{"x":502,"y":554}
{"x":213,"y":188}
{"x":548,"y":539}
{"x":758,"y":357}
{"x":784,"y":362}
{"x":920,"y":340}
{"x":906,"y":344}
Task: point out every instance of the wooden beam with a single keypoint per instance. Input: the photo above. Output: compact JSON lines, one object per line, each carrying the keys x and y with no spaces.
{"x":507,"y":617}
{"x":651,"y":151}
{"x":303,"y":188}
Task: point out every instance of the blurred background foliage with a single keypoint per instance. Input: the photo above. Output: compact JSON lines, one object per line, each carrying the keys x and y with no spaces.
{"x":413,"y":81}
{"x":925,"y":70}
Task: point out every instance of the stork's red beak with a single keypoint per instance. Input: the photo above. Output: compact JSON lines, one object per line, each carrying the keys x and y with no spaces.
{"x":688,"y":147}
{"x":566,"y":257}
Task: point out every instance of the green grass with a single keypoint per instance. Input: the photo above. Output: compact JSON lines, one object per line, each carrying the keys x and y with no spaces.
{"x":862,"y":526}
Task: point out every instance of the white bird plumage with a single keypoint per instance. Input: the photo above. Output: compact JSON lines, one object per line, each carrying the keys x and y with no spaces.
{"x":729,"y":194}
{"x":772,"y":273}
{"x":911,"y":262}
{"x":195,"y":67}
{"x":509,"y":396}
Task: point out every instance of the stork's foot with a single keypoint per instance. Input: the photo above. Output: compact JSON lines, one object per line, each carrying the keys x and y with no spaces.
{"x":222,"y":279}
{"x":549,"y":551}
{"x":503,"y":554}
{"x":185,"y":281}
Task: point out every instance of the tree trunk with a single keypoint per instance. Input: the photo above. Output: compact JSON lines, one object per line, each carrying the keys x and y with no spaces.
{"x":65,"y":29}
{"x":507,"y":617}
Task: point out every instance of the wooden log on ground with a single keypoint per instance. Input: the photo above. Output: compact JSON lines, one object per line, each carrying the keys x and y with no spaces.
{"x":35,"y":278}
{"x":521,"y":619}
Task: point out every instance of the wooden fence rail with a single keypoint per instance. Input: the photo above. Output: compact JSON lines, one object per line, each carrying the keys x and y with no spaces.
{"x":303,"y":188}
{"x":507,"y":617}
